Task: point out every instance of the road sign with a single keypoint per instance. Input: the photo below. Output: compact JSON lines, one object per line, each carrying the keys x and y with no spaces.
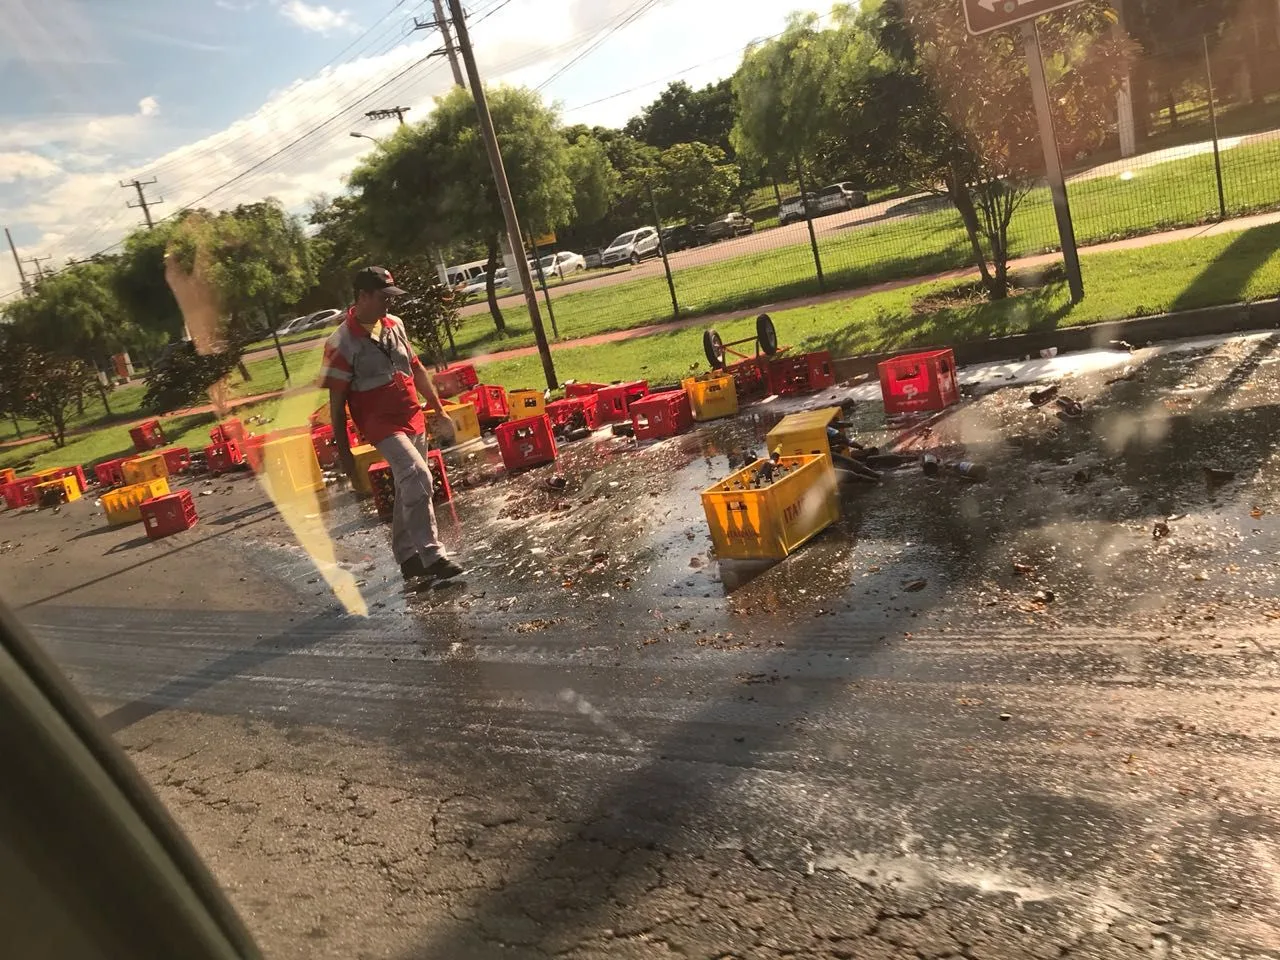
{"x":983,"y":16}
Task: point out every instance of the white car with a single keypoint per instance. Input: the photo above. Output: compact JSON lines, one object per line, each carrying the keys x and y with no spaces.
{"x":321,"y":318}
{"x":562,"y":264}
{"x":631,"y":247}
{"x":479,"y":284}
{"x":840,"y":196}
{"x":290,"y":327}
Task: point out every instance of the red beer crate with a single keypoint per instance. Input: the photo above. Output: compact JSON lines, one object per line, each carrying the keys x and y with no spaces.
{"x":8,"y":475}
{"x":527,"y":443}
{"x":167,"y":515}
{"x":562,"y":412}
{"x":252,"y":449}
{"x":490,"y":403}
{"x":440,"y":475}
{"x":20,"y":493}
{"x":177,"y":459}
{"x":109,"y":472}
{"x":326,"y":449}
{"x":614,"y":402}
{"x":919,"y":381}
{"x":661,"y":415}
{"x":147,"y":436}
{"x":451,"y":381}
{"x":230,"y":429}
{"x":78,"y":472}
{"x":572,"y":390}
{"x":750,"y":378}
{"x":383,"y":484}
{"x":806,"y":373}
{"x":223,"y":457}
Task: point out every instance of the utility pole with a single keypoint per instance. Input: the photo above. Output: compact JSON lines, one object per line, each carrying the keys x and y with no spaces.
{"x":449,"y":50}
{"x":22,"y":275}
{"x":514,"y":237}
{"x":143,"y":202}
{"x":35,"y":262}
{"x":387,"y":114}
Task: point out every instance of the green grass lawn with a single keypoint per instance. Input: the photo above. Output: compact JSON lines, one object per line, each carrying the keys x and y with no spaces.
{"x":1167,"y":195}
{"x":1180,"y":275}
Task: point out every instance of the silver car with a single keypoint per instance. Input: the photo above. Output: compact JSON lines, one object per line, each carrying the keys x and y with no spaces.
{"x":631,"y":247}
{"x":840,"y":196}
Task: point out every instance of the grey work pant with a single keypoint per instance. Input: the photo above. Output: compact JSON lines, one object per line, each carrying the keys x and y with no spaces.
{"x":413,"y":526}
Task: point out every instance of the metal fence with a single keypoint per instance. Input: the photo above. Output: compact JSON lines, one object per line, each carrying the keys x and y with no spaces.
{"x":1205,"y":147}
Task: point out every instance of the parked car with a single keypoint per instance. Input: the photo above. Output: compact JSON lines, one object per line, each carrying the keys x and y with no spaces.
{"x":792,"y":209}
{"x":290,"y":327}
{"x":631,"y":247}
{"x":562,"y":264}
{"x":730,"y":225}
{"x":683,"y":236}
{"x":321,"y":318}
{"x":479,"y":284}
{"x":840,"y":196}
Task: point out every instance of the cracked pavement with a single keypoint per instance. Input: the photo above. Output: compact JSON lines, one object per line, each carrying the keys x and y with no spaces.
{"x":608,"y":744}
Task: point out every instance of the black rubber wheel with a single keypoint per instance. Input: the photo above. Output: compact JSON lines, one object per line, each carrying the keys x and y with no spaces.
{"x":766,"y":335}
{"x":635,"y":259}
{"x":713,"y":347}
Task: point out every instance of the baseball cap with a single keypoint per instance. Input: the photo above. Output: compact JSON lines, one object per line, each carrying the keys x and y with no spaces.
{"x":376,"y":278}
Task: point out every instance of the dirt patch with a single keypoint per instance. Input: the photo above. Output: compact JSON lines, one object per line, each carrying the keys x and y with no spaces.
{"x":974,"y":294}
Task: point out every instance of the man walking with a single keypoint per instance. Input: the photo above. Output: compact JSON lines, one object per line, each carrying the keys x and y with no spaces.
{"x":370,"y":368}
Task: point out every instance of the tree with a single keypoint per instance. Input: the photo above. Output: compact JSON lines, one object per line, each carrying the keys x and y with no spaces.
{"x":183,"y":376}
{"x":47,"y":385}
{"x":693,"y":182}
{"x":951,"y":114}
{"x":140,"y":285}
{"x":337,"y":248}
{"x":593,"y":177}
{"x":431,"y":311}
{"x":781,"y":90}
{"x":681,"y":114}
{"x":75,"y":312}
{"x":430,"y":186}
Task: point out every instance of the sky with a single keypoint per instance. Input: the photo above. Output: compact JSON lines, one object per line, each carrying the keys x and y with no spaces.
{"x":229,"y":101}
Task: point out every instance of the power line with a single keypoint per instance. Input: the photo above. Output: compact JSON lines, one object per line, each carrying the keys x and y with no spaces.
{"x":644,"y":7}
{"x":143,"y":202}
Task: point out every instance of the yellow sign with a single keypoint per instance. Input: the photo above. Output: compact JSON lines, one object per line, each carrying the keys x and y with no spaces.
{"x":546,"y":240}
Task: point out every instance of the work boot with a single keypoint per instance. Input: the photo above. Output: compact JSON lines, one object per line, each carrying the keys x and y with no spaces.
{"x":444,"y":569}
{"x":413,"y":568}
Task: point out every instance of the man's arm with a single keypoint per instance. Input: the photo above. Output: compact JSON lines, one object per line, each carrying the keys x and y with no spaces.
{"x":426,"y":389}
{"x":338,"y":417}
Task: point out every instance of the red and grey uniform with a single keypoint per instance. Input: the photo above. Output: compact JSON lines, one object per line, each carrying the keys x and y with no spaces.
{"x":376,"y":377}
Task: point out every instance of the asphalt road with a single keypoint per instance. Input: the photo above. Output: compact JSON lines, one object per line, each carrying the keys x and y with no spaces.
{"x":608,"y":744}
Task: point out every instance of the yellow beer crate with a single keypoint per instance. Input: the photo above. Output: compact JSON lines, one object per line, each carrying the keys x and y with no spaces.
{"x":711,"y":397}
{"x":291,"y":466}
{"x":121,"y":505}
{"x":526,"y":404}
{"x":60,"y":490}
{"x":772,"y":521}
{"x":364,"y":456}
{"x":802,"y":433}
{"x":140,"y":469}
{"x":466,"y":425}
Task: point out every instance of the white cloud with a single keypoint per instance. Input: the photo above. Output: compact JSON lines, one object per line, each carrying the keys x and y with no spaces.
{"x":24,"y":165}
{"x":83,"y":210}
{"x":318,"y":18}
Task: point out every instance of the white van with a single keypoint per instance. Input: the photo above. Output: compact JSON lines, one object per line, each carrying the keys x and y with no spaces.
{"x":465,"y":273}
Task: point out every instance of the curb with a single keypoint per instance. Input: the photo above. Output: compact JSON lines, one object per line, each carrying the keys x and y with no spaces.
{"x":1200,"y":322}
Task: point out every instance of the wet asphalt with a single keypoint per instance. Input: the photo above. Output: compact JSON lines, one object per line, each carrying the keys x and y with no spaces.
{"x":1034,"y":716}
